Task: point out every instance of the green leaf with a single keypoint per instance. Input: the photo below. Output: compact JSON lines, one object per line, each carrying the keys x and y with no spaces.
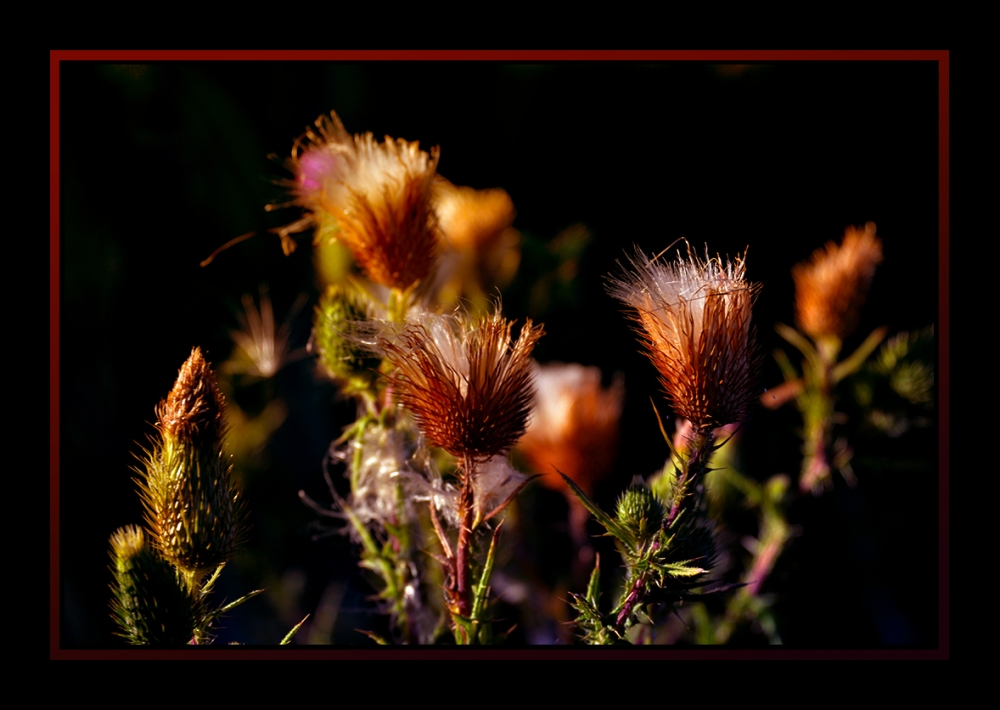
{"x":609,"y":523}
{"x":232,"y":605}
{"x":851,"y":364}
{"x":288,"y":637}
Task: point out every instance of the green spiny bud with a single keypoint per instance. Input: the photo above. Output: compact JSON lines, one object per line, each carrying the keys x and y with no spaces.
{"x":639,"y":510}
{"x":149,"y":603}
{"x":341,"y":357}
{"x":193,"y":508}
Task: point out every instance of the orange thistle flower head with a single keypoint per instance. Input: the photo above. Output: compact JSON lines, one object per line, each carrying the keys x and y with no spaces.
{"x":466,"y":382}
{"x":375,"y":197}
{"x":574,"y":426}
{"x":831,"y":287}
{"x":479,"y":247}
{"x":694,"y":321}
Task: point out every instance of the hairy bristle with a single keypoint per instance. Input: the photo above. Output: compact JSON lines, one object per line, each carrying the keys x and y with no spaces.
{"x":694,"y":322}
{"x":468,"y":386}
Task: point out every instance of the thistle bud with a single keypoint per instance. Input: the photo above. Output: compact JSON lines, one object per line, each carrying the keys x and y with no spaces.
{"x":340,"y":356}
{"x":149,"y":603}
{"x":640,"y":511}
{"x":193,"y":510}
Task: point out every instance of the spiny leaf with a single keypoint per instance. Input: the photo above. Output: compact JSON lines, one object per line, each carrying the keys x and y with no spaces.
{"x":288,"y":637}
{"x":609,"y":523}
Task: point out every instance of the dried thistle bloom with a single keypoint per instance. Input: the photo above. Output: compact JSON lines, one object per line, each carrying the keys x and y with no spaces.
{"x":193,"y":509}
{"x":467,"y":384}
{"x":375,"y":197}
{"x":148,"y":602}
{"x":694,"y":321}
{"x":574,"y":425}
{"x":831,"y":287}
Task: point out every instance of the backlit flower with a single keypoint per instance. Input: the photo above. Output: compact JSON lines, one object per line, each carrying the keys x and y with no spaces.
{"x":479,"y":247}
{"x":574,"y":425}
{"x":467,"y":383}
{"x":375,"y":197}
{"x":832,"y":285}
{"x":694,"y":321}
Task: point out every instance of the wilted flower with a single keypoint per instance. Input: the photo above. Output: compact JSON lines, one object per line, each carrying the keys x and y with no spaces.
{"x":467,"y":384}
{"x":193,"y":508}
{"x":375,"y":197}
{"x":832,"y":285}
{"x":574,"y":425}
{"x":694,"y":319}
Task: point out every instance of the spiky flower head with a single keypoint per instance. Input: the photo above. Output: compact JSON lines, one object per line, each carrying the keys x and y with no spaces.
{"x":466,"y":382}
{"x":375,"y":197}
{"x":194,"y":511}
{"x":694,"y":321}
{"x":831,"y":287}
{"x":149,"y":603}
{"x":574,"y":425}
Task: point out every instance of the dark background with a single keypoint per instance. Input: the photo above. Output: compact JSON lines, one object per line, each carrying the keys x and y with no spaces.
{"x":162,"y":163}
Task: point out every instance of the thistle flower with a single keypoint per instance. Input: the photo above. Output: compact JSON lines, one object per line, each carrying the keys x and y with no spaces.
{"x":479,"y":247}
{"x":831,"y":287}
{"x":574,"y":425}
{"x":467,"y":384}
{"x":193,"y":509}
{"x":375,"y":197}
{"x":694,"y":321}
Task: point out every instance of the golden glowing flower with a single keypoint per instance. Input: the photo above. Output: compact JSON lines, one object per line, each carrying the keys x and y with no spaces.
{"x":574,"y":425}
{"x":832,"y":285}
{"x":479,"y":247}
{"x":375,"y":197}
{"x":694,"y":319}
{"x":467,"y":384}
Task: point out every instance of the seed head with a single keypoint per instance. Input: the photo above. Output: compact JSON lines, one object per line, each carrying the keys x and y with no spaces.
{"x":375,"y":197}
{"x":694,"y":321}
{"x":468,"y":386}
{"x":831,"y":287}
